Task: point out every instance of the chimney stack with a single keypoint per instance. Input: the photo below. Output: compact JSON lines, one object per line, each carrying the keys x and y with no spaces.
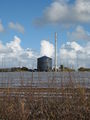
{"x":55,"y":51}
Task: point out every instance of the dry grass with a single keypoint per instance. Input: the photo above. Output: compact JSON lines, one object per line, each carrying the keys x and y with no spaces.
{"x":72,"y":106}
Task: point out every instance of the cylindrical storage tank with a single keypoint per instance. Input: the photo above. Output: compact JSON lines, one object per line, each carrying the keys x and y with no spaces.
{"x":44,"y":64}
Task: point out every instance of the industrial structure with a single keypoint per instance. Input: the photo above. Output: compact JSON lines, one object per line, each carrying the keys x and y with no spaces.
{"x":55,"y":52}
{"x":44,"y":63}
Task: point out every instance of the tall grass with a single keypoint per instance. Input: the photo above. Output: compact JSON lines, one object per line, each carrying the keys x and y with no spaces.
{"x":67,"y":102}
{"x":74,"y":106}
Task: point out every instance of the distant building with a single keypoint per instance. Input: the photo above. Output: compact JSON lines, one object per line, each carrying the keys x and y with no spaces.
{"x":44,"y":63}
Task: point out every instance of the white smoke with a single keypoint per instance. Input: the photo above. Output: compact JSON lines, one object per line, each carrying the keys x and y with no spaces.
{"x":47,"y":48}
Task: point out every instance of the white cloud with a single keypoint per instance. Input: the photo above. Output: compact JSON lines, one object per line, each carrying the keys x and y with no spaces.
{"x":15,"y":44}
{"x":1,"y":27}
{"x":73,"y":54}
{"x":78,"y":34}
{"x":65,"y":13}
{"x":14,"y":55}
{"x":82,"y":9}
{"x":47,"y":48}
{"x":16,"y":26}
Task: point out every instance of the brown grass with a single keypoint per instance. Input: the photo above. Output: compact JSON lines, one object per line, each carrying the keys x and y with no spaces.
{"x":65,"y":104}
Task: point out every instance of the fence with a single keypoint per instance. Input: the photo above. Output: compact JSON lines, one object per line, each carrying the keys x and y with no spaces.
{"x":44,"y":79}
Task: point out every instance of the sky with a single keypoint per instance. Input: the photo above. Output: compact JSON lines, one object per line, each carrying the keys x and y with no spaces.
{"x":27,"y":31}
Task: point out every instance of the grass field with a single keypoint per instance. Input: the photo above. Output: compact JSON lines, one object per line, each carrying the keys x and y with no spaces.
{"x":45,"y":96}
{"x":45,"y":103}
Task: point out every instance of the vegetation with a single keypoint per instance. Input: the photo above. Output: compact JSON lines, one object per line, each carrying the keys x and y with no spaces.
{"x":67,"y":69}
{"x":28,"y":103}
{"x":61,"y":68}
{"x":83,"y":69}
{"x":75,"y":106}
{"x":14,"y":69}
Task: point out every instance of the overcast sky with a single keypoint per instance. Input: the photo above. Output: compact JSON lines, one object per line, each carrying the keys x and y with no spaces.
{"x":27,"y":29}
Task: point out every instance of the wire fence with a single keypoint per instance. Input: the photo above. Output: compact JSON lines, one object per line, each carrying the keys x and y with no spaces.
{"x":45,"y":95}
{"x":44,"y":79}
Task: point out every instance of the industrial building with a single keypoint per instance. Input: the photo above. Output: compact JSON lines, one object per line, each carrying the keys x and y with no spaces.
{"x":44,"y":63}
